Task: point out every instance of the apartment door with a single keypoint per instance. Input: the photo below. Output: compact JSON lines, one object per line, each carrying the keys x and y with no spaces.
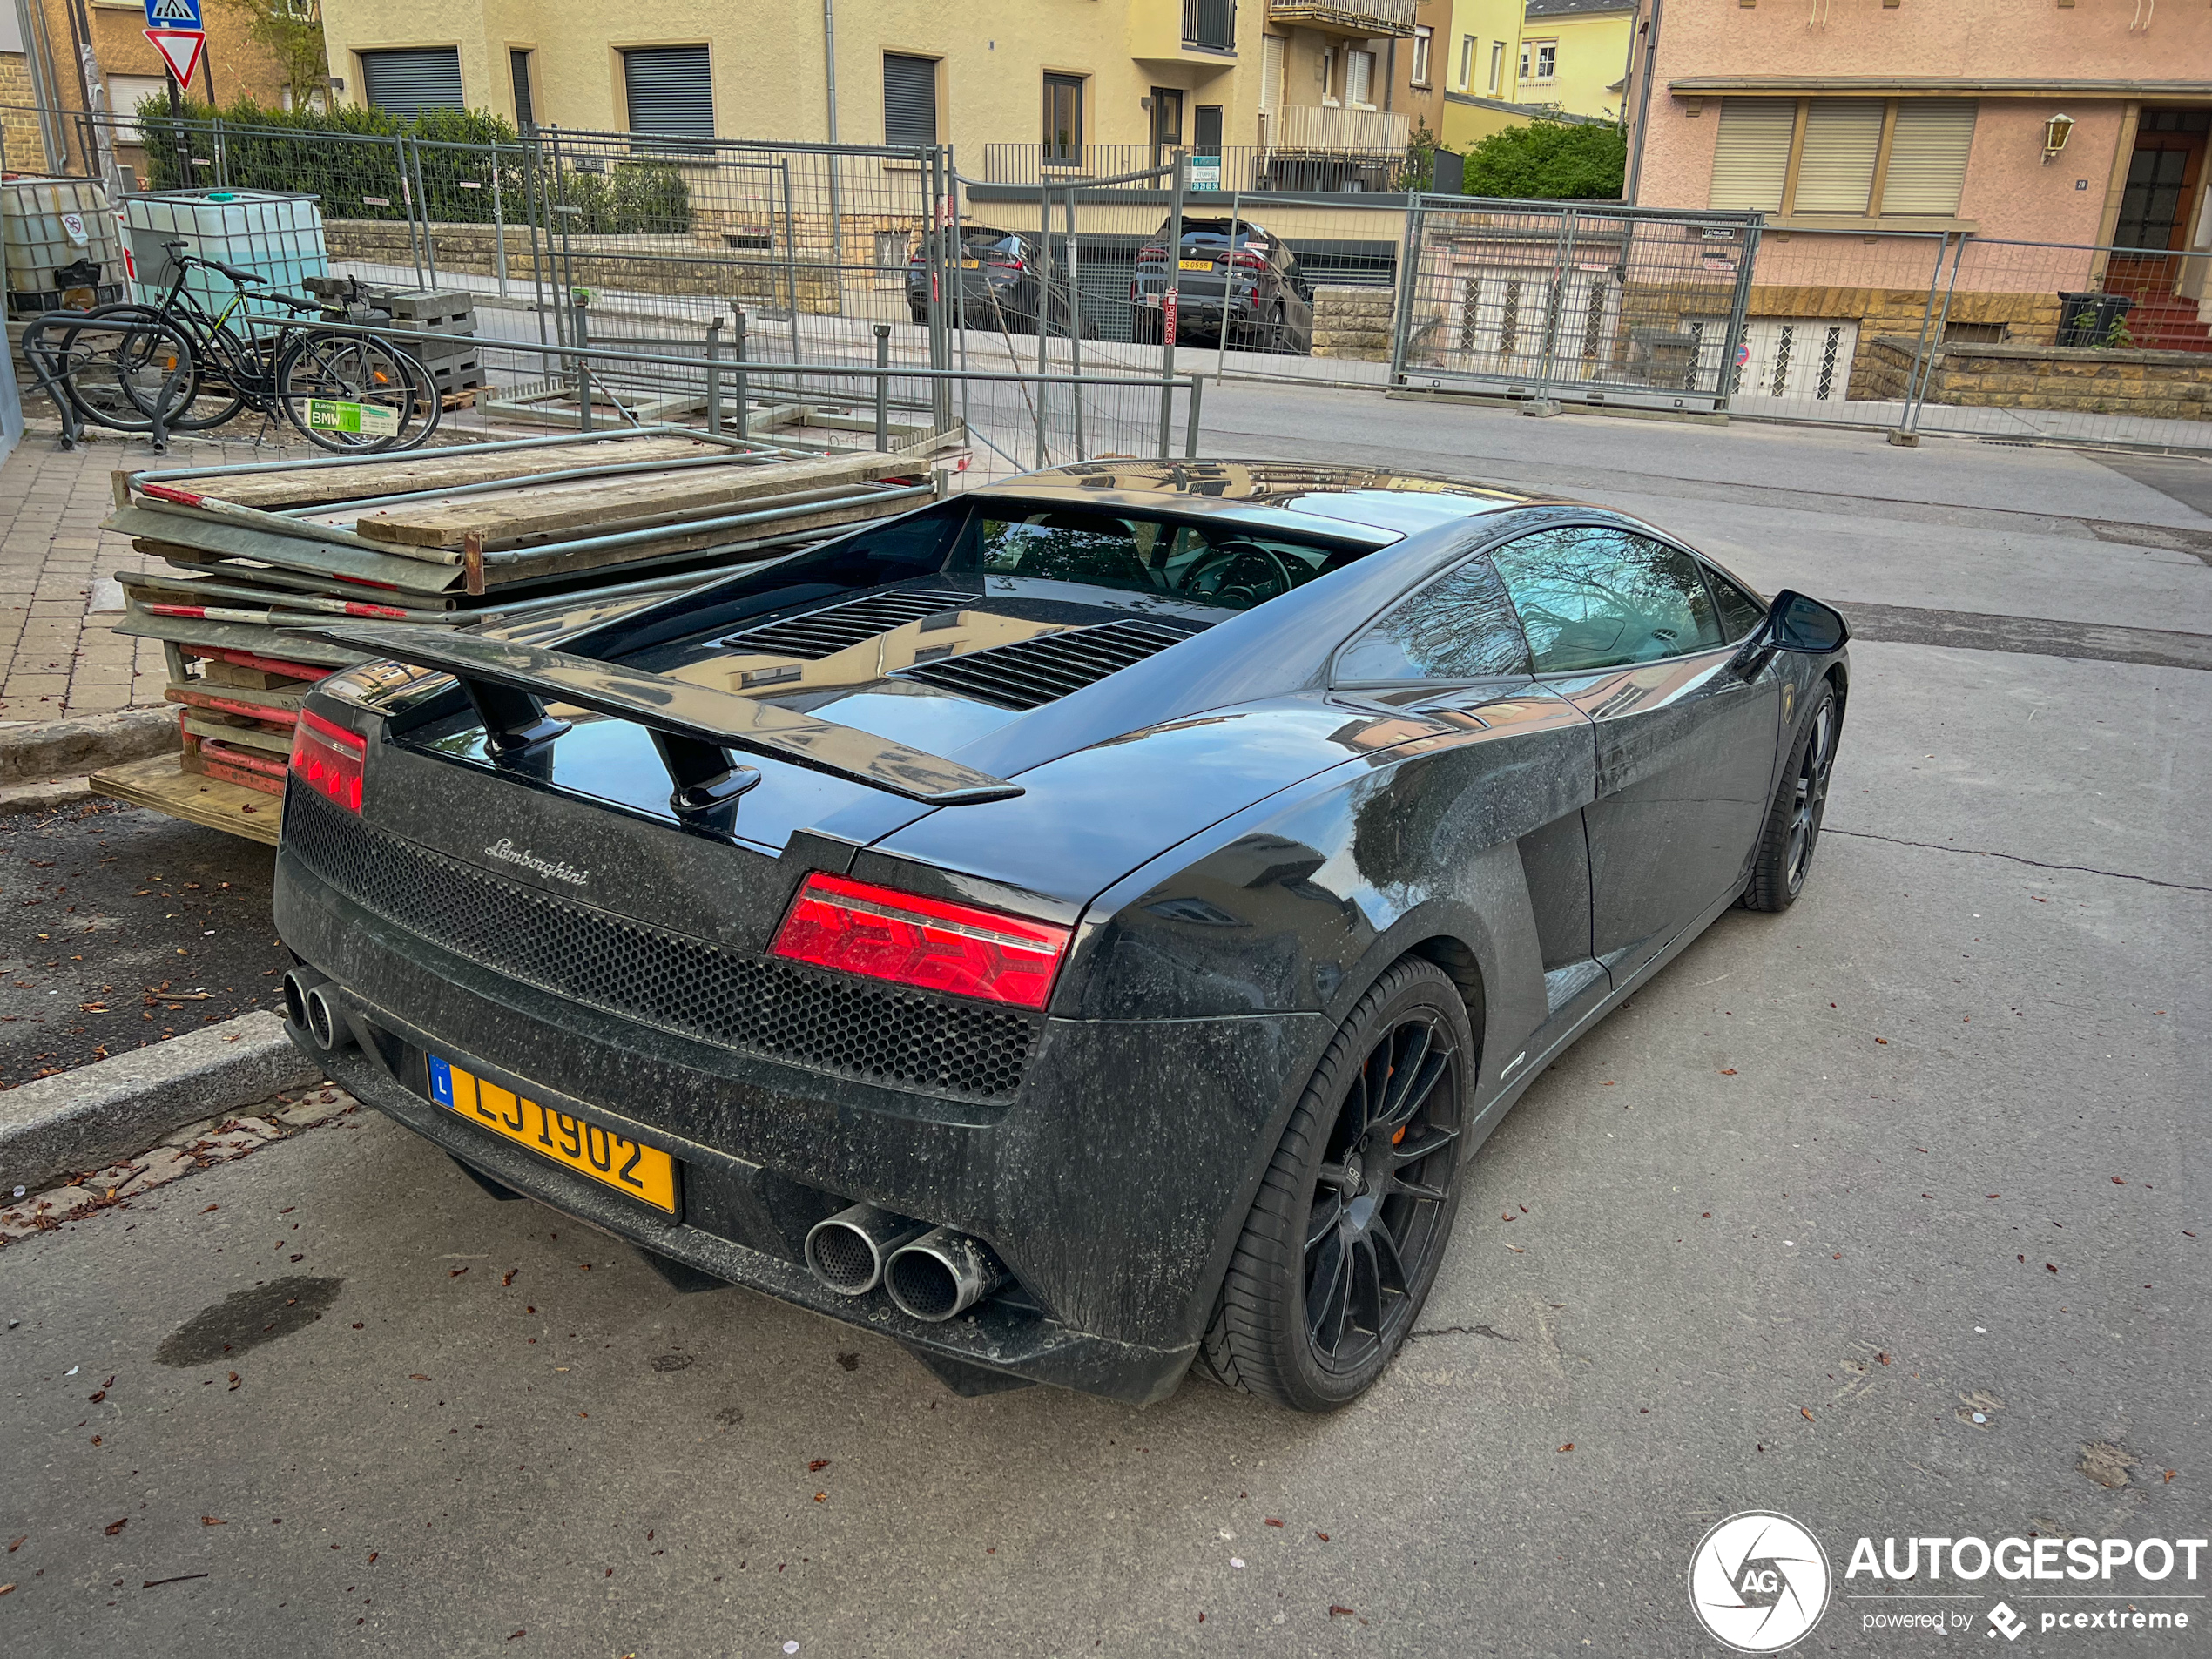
{"x":1167,"y":123}
{"x":2163,"y":174}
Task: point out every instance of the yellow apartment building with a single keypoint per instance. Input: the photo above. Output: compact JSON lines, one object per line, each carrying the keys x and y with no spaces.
{"x":1573,"y":55}
{"x":1087,"y":85}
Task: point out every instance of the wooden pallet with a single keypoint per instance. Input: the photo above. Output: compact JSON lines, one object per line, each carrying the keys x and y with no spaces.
{"x":160,"y":783}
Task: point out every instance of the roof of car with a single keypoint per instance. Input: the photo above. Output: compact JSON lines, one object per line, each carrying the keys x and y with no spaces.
{"x":1341,"y":498}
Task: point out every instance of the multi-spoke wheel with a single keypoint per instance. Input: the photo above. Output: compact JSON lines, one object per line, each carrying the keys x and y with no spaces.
{"x":1792,"y":833}
{"x":1351,"y":1219}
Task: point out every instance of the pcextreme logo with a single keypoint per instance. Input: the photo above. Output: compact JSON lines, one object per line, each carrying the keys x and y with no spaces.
{"x":1759,"y":1583}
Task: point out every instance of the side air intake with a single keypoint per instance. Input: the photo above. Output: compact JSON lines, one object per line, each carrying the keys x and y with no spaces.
{"x":1033,"y":672}
{"x":819,"y":633}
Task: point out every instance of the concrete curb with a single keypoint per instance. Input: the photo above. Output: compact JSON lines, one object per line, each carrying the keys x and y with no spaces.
{"x":62,"y":792}
{"x":71,"y":748}
{"x":98,"y":1113}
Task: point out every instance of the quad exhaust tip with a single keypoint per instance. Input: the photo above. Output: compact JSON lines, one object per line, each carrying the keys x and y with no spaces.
{"x":311,"y":1003}
{"x":849,"y":1251}
{"x":942,"y":1274}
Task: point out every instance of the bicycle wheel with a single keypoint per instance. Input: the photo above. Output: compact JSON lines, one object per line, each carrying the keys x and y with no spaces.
{"x":355,"y":395}
{"x":119,"y":363}
{"x":212,"y":397}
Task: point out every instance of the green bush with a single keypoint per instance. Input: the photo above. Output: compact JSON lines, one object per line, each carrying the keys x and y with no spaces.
{"x":1549,"y":161}
{"x":348,"y":157}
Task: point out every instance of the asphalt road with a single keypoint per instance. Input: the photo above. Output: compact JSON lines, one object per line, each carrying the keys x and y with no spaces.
{"x":119,"y":927}
{"x":1927,"y":1146}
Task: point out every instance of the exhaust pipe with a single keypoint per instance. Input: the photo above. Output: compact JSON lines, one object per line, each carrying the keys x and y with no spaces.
{"x":942,"y":1274}
{"x":847,"y":1251}
{"x":311,"y":1002}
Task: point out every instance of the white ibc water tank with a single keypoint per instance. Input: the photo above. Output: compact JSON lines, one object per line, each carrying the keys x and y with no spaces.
{"x":52,"y":230}
{"x":275,"y":233}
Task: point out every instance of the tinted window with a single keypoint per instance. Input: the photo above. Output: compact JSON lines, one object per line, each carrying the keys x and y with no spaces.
{"x":1594,"y":597}
{"x":1224,"y":564}
{"x":1458,"y":628}
{"x":1741,"y":611}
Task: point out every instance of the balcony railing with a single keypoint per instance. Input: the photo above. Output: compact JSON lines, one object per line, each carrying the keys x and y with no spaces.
{"x":1331,"y":128}
{"x":1210,"y":24}
{"x":1362,"y":18}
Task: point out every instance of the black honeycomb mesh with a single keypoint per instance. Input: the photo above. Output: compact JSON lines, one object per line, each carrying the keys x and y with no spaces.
{"x":661,"y":979}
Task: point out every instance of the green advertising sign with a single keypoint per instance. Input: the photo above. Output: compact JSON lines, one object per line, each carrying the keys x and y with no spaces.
{"x":369,"y":420}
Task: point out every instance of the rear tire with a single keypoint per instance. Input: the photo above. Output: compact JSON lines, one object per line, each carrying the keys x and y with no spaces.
{"x":1791,"y":833}
{"x":1353,"y":1215}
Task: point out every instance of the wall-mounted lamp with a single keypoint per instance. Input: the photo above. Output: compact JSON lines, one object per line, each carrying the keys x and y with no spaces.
{"x":2056,"y":132}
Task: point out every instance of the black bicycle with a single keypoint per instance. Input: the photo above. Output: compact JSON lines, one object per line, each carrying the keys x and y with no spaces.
{"x":177,"y":367}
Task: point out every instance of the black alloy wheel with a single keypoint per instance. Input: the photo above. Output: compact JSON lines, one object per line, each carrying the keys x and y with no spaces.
{"x":1352,"y":1217}
{"x":1792,"y":833}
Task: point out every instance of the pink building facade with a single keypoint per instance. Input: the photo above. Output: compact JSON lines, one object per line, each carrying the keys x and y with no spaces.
{"x":1877,"y":135}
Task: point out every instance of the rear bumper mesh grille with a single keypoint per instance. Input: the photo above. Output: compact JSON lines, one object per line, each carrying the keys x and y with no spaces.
{"x":669,"y":980}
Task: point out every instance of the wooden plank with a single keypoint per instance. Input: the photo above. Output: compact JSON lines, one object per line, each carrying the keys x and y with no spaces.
{"x":600,"y":506}
{"x":231,"y":769}
{"x":435,"y":470}
{"x":246,"y":736}
{"x":159,"y":783}
{"x":278,"y":708}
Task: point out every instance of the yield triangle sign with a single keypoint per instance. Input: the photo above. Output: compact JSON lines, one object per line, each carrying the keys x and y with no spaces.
{"x":180,"y":50}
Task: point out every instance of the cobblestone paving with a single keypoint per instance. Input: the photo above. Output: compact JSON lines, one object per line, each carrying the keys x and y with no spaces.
{"x":59,"y":654}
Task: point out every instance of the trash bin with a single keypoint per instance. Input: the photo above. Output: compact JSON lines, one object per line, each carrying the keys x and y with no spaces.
{"x":2086,"y":319}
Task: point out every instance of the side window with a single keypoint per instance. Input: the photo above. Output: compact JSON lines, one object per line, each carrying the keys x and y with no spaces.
{"x":1591,"y":597}
{"x":1740,"y":610}
{"x":1460,"y":627}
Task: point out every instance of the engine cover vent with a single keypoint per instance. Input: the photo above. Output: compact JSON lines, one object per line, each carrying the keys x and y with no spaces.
{"x":1028,"y":672}
{"x":821,"y":633}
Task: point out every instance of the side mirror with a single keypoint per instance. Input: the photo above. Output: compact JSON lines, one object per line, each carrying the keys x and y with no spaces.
{"x":1796,"y":623}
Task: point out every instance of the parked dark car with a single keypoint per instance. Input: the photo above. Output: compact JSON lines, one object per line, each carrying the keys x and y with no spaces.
{"x":1081,"y":929}
{"x":999,"y":279}
{"x":1248,"y":297}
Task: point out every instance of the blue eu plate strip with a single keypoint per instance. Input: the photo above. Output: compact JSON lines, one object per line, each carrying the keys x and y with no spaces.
{"x":440,"y":1082}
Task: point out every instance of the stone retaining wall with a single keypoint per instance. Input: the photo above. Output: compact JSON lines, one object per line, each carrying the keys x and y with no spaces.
{"x":2163,"y":385}
{"x":1353,"y":323}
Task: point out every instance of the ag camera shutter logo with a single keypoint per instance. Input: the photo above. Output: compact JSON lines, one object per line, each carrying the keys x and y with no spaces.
{"x":1759,"y":1581}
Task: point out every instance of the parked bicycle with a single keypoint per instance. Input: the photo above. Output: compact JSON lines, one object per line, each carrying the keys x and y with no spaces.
{"x":177,"y":367}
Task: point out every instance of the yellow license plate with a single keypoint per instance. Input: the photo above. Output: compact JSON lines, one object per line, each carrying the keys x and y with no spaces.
{"x":971,"y":265}
{"x":642,"y":1171}
{"x":1197,"y":265}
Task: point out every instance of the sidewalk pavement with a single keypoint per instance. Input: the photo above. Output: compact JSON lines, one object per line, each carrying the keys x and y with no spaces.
{"x":58,"y":601}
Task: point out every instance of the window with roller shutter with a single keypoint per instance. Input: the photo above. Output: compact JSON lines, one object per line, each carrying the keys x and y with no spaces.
{"x":407,"y":83}
{"x":1751,"y":153}
{"x":1843,"y":139}
{"x":1928,"y":155}
{"x":669,"y":91}
{"x":910,"y":99}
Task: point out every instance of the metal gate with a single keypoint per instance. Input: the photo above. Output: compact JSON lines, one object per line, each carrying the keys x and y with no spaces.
{"x":1580,"y":304}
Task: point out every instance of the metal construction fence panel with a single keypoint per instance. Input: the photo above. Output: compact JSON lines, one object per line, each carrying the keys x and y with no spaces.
{"x":1580,"y":302}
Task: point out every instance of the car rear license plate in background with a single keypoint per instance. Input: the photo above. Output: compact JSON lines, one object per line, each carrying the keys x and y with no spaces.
{"x":1197,"y":265}
{"x":644,"y":1172}
{"x":971,"y":265}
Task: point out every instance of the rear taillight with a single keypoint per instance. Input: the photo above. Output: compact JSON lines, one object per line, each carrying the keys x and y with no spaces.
{"x":1008,"y":265}
{"x":1151,"y":254}
{"x":1251,"y":262}
{"x":327,"y":758}
{"x":879,"y":932}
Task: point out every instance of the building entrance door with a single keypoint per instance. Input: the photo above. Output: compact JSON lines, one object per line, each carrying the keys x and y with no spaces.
{"x":2163,"y":176}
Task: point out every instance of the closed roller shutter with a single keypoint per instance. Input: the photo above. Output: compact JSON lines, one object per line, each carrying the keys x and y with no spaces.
{"x":1842,"y":136}
{"x":407,"y":83}
{"x":1271,"y":72}
{"x":1928,"y":156}
{"x":671,"y":91}
{"x":910,"y":99}
{"x":518,"y":64}
{"x":1751,"y":153}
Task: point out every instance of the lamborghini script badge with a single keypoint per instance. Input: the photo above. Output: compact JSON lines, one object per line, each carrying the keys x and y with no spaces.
{"x":505,"y":851}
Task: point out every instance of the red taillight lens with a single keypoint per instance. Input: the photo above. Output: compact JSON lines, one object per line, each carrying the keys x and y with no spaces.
{"x":1151,"y":254}
{"x":882,"y":933}
{"x":327,"y":758}
{"x":1008,"y":265}
{"x":1251,"y":262}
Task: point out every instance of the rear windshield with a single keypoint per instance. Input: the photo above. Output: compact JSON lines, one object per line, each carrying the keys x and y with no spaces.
{"x":1191,"y":561}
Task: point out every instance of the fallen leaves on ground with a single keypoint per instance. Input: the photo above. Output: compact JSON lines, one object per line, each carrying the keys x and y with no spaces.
{"x":118,"y":1526}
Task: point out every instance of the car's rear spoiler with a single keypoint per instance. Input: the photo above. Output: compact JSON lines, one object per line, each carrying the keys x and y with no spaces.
{"x":694,"y":727}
